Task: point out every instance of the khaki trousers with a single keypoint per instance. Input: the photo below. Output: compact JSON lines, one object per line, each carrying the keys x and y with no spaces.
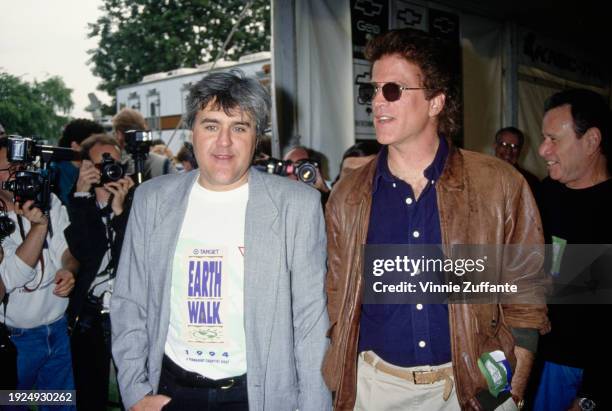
{"x":380,"y":391}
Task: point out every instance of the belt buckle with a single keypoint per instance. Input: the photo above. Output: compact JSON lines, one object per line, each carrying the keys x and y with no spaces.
{"x":414,"y":377}
{"x":229,"y":385}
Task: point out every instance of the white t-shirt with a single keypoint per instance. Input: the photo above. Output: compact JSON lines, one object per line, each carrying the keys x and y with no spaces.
{"x":29,"y":309}
{"x":206,"y":332}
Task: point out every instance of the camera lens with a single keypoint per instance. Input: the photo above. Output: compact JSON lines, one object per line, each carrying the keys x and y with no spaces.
{"x":110,"y":170}
{"x":113,"y":172}
{"x":307,"y":173}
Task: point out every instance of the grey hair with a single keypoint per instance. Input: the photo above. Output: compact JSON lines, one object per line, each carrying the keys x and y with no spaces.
{"x":228,"y":91}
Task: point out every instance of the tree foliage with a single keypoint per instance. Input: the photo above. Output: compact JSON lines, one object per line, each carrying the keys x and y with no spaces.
{"x":34,"y":109}
{"x":140,"y":37}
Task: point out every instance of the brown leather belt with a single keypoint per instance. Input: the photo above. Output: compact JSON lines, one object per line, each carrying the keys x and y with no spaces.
{"x":416,"y":377}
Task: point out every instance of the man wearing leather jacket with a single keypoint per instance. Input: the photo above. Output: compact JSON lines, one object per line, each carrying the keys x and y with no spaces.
{"x":423,"y":190}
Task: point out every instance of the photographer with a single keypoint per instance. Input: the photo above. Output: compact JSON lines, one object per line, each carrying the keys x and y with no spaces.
{"x":37,"y":272}
{"x":99,"y":212}
{"x":67,"y":172}
{"x":154,"y":165}
{"x":300,"y":154}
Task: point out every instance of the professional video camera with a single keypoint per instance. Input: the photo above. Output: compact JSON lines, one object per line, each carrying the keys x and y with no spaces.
{"x":304,"y":170}
{"x":138,"y":143}
{"x":110,"y":170}
{"x":31,"y":182}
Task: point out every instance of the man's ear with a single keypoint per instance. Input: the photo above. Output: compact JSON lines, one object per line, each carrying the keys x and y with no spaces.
{"x":436,"y":104}
{"x":75,"y":146}
{"x":593,"y":140}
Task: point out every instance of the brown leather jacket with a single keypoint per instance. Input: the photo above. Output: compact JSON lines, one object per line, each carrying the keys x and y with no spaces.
{"x":481,"y":200}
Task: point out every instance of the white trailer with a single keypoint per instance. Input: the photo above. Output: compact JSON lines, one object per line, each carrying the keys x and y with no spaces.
{"x":160,"y":97}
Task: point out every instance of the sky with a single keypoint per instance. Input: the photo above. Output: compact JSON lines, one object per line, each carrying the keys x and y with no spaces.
{"x":43,"y":38}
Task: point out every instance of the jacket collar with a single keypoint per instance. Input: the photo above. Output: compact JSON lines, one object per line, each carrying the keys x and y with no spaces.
{"x":432,"y":172}
{"x":451,"y":178}
{"x":260,"y":202}
{"x":261,"y":206}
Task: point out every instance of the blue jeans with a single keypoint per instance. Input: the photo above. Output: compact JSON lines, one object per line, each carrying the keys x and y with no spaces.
{"x":43,"y":359}
{"x":558,"y":387}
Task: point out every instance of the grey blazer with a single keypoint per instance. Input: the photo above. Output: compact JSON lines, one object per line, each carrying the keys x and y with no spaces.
{"x":284,"y":296}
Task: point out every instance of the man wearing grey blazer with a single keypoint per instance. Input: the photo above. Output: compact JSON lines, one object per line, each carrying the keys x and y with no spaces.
{"x":219,"y":299}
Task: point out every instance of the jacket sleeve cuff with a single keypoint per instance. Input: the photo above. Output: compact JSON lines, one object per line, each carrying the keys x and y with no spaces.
{"x":17,"y":274}
{"x":136,"y":393}
{"x":82,"y":194}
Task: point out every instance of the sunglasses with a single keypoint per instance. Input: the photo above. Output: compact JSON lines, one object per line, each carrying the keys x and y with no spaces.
{"x":390,"y":91}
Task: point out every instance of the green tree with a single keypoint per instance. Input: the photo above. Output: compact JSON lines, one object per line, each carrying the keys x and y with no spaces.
{"x":34,"y":109}
{"x":140,"y":37}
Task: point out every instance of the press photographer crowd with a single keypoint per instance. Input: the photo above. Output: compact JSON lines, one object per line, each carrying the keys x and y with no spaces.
{"x":223,"y":278}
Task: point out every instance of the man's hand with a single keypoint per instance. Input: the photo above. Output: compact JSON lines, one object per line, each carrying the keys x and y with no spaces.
{"x":31,"y":247}
{"x":524,"y":362}
{"x":64,"y":283}
{"x":546,"y":328}
{"x":88,"y":175}
{"x":151,"y":403}
{"x":33,"y":214}
{"x":119,"y":190}
{"x":319,"y":184}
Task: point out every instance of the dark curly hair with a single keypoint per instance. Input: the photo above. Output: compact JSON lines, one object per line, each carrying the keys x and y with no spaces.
{"x":78,"y":130}
{"x":435,"y":59}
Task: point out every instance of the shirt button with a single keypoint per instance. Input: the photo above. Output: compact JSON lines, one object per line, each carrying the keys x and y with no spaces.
{"x":422,"y":344}
{"x":408,"y":200}
{"x":416,"y":234}
{"x":419,"y":307}
{"x":394,"y":185}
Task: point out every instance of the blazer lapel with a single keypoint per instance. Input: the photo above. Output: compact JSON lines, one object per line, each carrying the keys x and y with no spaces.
{"x":262,"y":260}
{"x":170,"y":218}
